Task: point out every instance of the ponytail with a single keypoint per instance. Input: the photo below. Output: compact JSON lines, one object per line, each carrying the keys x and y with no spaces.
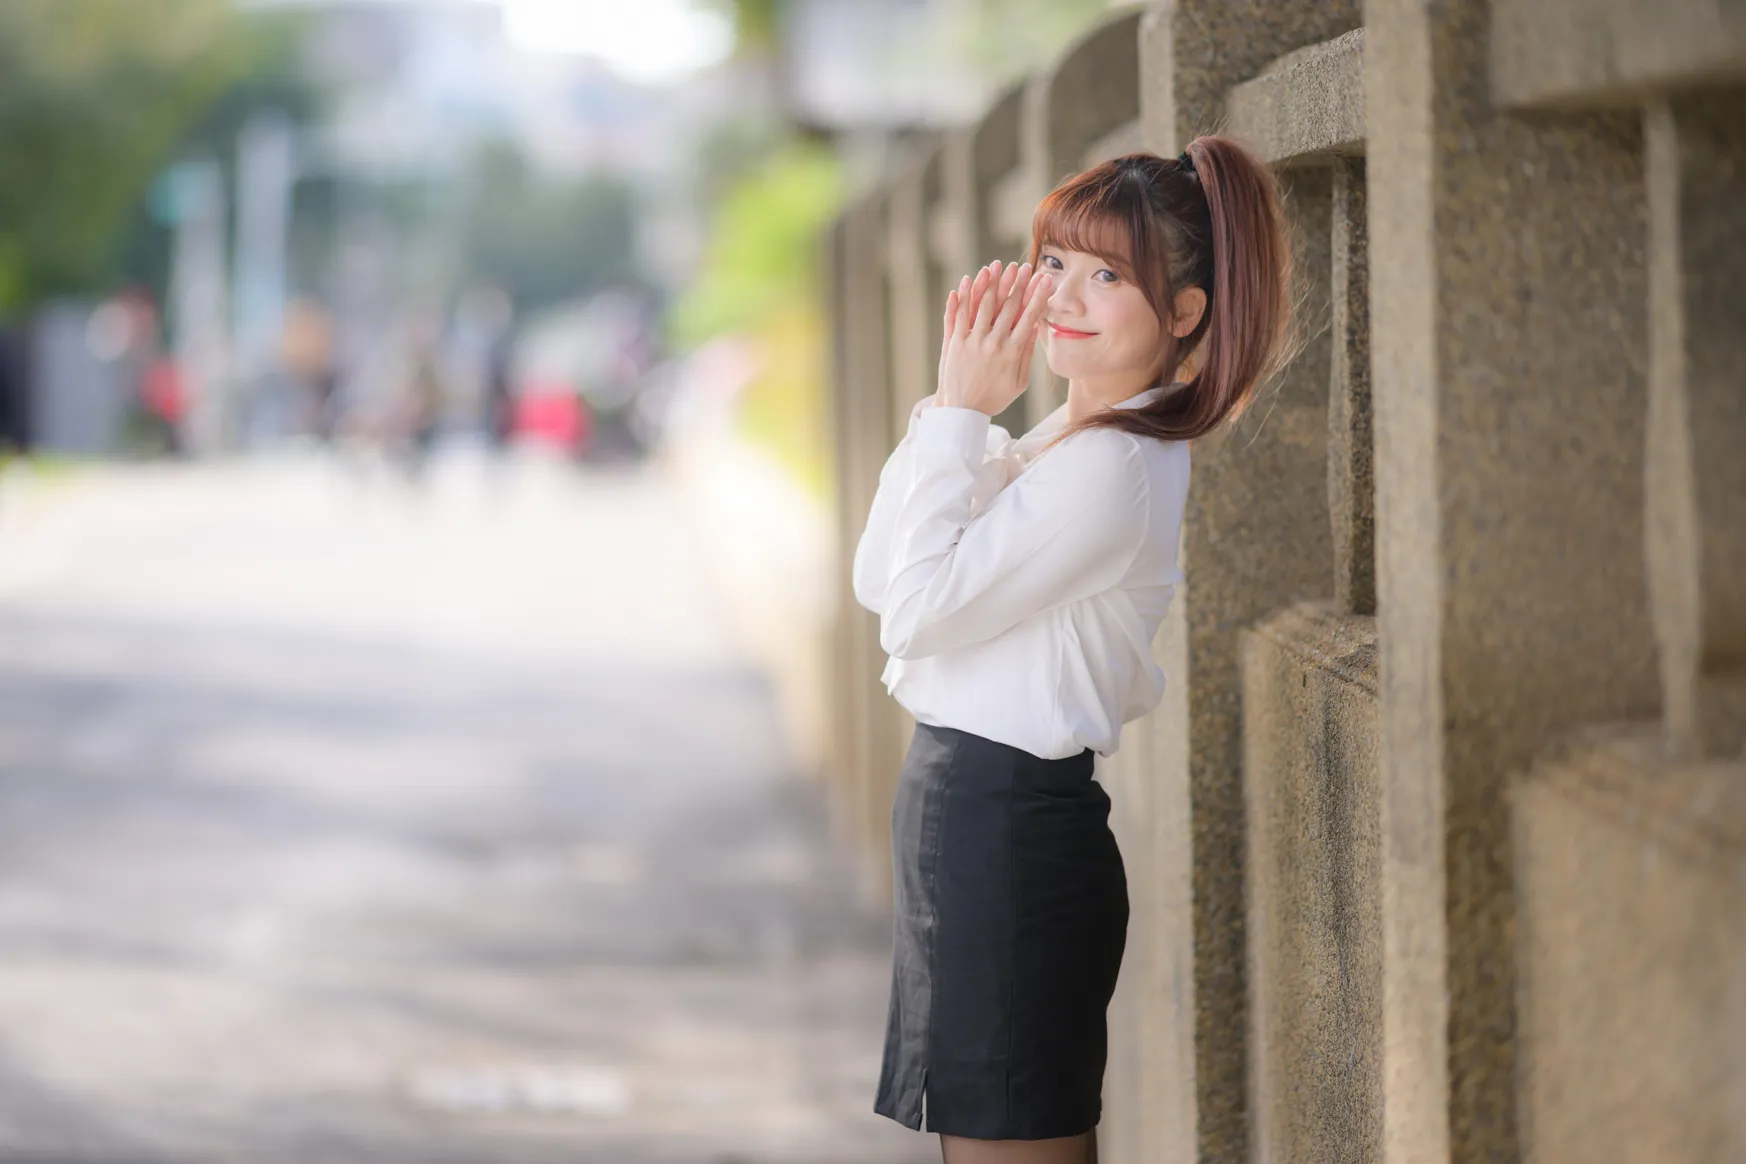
{"x":1248,"y":303}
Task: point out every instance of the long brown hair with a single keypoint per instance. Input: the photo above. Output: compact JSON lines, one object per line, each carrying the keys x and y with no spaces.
{"x":1213,"y":223}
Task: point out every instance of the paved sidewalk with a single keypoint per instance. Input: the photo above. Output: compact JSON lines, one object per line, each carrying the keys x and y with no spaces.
{"x":346,"y":822}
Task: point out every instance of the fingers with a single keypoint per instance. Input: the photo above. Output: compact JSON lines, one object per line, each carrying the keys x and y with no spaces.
{"x":986,"y":308}
{"x":984,"y":285}
{"x":1009,"y":309}
{"x":1012,"y":279}
{"x":1042,"y":283}
{"x":983,"y":296}
{"x":966,"y":306}
{"x":1036,"y":302}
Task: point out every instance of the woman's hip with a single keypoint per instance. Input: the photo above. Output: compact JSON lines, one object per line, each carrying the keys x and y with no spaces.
{"x":985,"y":810}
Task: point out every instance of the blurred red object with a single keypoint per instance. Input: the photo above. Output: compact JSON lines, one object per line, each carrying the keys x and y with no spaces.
{"x":162,"y":390}
{"x":551,"y":414}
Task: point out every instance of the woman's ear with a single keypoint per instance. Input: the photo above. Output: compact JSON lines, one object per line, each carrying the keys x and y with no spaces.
{"x":1186,"y":311}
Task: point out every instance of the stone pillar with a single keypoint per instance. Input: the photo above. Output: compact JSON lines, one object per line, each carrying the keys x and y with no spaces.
{"x":1697,"y":417}
{"x":941,"y":245}
{"x":915,"y":324}
{"x":1256,"y":538}
{"x":1310,"y":710}
{"x":842,"y":673}
{"x":878,"y":738}
{"x":1630,"y":838}
{"x":1508,"y":354}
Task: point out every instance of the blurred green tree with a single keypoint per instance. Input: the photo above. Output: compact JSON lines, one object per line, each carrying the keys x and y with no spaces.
{"x":94,"y":97}
{"x":759,"y":279}
{"x":999,"y":39}
{"x":546,"y":239}
{"x":762,"y":242}
{"x":270,"y":75}
{"x":757,"y":23}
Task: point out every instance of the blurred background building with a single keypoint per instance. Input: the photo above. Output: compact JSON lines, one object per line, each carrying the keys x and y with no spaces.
{"x":423,"y":179}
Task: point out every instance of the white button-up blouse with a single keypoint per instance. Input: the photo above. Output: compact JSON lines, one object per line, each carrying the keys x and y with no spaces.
{"x":1019,"y":591}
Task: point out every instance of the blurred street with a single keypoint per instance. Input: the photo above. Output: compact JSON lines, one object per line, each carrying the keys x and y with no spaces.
{"x":348,"y":818}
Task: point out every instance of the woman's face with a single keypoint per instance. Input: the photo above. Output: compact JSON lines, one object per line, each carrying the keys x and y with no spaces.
{"x":1098,"y":327}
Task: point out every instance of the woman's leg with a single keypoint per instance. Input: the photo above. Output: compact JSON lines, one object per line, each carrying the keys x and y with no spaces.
{"x":1081,"y":1149}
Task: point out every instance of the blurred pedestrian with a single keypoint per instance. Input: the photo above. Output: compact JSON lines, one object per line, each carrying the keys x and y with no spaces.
{"x":308,"y":350}
{"x":499,"y":392}
{"x":425,"y":398}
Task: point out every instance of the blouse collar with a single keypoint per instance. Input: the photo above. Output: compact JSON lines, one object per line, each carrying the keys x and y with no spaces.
{"x":1057,"y":420}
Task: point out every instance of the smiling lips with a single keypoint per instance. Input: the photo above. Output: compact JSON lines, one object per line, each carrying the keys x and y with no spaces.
{"x":1069,"y":333}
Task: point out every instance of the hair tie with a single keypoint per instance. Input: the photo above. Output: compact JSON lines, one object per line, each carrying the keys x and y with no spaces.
{"x":1186,"y":162}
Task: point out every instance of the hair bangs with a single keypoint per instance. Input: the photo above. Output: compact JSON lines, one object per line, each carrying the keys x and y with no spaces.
{"x":1094,"y":219}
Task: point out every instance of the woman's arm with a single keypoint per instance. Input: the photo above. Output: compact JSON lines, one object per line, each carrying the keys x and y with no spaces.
{"x":984,"y":364}
{"x":872,"y":562}
{"x":1068,"y":528}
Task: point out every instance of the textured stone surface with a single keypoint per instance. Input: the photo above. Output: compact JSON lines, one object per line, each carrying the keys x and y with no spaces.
{"x":1351,"y":461}
{"x":1308,"y":103}
{"x":1313,"y":858}
{"x":1696,"y":175}
{"x":1194,"y":51}
{"x":1632,"y":881}
{"x":1508,"y":339}
{"x":1585,"y":52}
{"x":1256,"y":537}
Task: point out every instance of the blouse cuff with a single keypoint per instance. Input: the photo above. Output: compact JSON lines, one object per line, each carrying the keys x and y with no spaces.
{"x":950,"y":429}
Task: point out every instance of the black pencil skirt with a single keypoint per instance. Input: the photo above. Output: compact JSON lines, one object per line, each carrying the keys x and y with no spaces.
{"x":1011,"y":908}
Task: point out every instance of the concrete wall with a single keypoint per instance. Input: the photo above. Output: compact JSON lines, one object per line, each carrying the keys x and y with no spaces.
{"x":1437,"y":844}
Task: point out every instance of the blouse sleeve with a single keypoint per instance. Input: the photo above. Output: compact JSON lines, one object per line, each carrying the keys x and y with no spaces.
{"x":1067,"y":528}
{"x":872,"y":562}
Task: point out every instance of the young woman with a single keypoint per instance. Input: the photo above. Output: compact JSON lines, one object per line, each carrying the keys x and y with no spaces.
{"x":1019,"y":584}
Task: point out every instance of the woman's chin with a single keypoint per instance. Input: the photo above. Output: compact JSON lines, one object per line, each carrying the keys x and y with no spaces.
{"x":1075,"y":370}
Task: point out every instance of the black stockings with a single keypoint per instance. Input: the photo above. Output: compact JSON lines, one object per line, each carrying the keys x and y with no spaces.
{"x":1066,"y":1150}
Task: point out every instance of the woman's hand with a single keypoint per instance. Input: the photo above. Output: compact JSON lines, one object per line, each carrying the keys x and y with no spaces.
{"x":990,"y":334}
